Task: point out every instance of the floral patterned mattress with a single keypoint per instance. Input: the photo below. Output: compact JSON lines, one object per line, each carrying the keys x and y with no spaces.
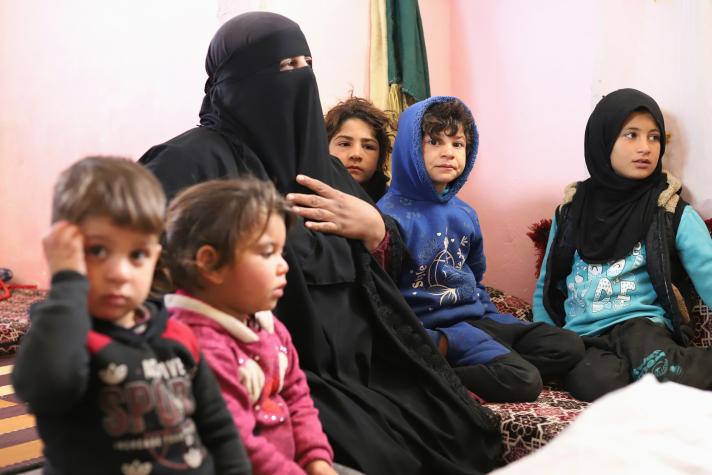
{"x":528,"y":426}
{"x":14,"y":319}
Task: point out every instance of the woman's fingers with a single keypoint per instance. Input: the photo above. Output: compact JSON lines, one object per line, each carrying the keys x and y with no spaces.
{"x":322,"y":227}
{"x":333,"y":211}
{"x":318,"y":187}
{"x":303,"y":200}
{"x":314,"y":214}
{"x":321,"y":207}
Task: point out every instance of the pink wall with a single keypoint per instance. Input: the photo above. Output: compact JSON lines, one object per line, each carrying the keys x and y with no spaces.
{"x":80,"y":78}
{"x":516,"y":65}
{"x":533,"y":71}
{"x":436,"y":17}
{"x":87,"y":77}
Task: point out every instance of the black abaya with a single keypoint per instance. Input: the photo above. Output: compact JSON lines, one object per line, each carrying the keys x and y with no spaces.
{"x":388,"y":401}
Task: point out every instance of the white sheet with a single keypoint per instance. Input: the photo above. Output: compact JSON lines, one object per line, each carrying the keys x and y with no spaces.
{"x":647,"y":427}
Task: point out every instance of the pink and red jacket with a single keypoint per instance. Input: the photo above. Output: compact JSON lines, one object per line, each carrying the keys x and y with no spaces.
{"x":261,"y":381}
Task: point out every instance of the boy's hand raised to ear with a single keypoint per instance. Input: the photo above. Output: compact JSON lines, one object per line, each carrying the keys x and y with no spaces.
{"x":64,"y":248}
{"x":336,"y":212}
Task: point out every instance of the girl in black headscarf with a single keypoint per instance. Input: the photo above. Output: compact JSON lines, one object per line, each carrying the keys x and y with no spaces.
{"x":622,"y":250}
{"x":388,"y":402}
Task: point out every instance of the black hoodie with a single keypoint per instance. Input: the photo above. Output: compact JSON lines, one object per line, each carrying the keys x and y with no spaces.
{"x":111,"y":400}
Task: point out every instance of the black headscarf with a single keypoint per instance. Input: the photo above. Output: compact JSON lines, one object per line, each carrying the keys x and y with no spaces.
{"x":613,"y":213}
{"x":277,"y":113}
{"x":388,"y":401}
{"x":376,"y":186}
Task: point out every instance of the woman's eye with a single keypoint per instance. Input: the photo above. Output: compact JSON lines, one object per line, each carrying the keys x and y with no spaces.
{"x":654,"y":138}
{"x":459,"y":144}
{"x":630,"y":135}
{"x":296,"y":62}
{"x":433,"y":141}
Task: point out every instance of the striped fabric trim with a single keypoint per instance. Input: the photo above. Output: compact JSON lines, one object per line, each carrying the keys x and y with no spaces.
{"x":20,"y":446}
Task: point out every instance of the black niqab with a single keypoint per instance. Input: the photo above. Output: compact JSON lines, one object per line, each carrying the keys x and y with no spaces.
{"x":612,"y":212}
{"x":277,"y":112}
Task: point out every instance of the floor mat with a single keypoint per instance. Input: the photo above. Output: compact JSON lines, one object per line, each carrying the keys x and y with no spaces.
{"x":20,"y":446}
{"x":14,"y":319}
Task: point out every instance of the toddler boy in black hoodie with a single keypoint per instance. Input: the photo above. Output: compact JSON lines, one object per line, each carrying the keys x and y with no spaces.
{"x":116,"y":387}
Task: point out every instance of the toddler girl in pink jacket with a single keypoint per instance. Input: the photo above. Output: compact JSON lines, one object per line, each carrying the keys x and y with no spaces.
{"x":224,"y":252}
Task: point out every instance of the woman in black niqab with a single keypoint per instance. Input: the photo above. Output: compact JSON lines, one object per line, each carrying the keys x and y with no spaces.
{"x":387,"y":400}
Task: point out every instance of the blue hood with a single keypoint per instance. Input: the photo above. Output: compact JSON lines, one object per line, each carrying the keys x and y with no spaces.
{"x":409,"y":177}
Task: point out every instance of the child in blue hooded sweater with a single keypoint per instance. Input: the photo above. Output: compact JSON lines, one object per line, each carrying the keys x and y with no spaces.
{"x":497,"y":356}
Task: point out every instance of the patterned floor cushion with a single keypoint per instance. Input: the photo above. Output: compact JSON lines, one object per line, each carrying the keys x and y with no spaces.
{"x":528,"y":426}
{"x":510,"y":304}
{"x":13,"y":317}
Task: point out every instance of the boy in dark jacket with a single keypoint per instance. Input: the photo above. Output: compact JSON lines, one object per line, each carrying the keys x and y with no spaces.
{"x":116,"y":387}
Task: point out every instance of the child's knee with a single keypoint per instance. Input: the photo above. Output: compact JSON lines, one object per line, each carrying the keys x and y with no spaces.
{"x":520,"y":379}
{"x":501,"y":383}
{"x":572,"y":348}
{"x":530,"y":386}
{"x":588,"y":382}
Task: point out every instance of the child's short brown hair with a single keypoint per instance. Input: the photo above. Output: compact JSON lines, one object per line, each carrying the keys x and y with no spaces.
{"x":445,"y":117}
{"x":359,"y":108}
{"x":223,"y":214}
{"x":115,"y":187}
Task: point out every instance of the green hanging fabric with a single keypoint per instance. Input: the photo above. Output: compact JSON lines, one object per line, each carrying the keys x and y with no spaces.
{"x":407,"y":58}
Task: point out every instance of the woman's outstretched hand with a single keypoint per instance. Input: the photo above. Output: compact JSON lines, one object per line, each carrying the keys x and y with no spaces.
{"x":336,"y":212}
